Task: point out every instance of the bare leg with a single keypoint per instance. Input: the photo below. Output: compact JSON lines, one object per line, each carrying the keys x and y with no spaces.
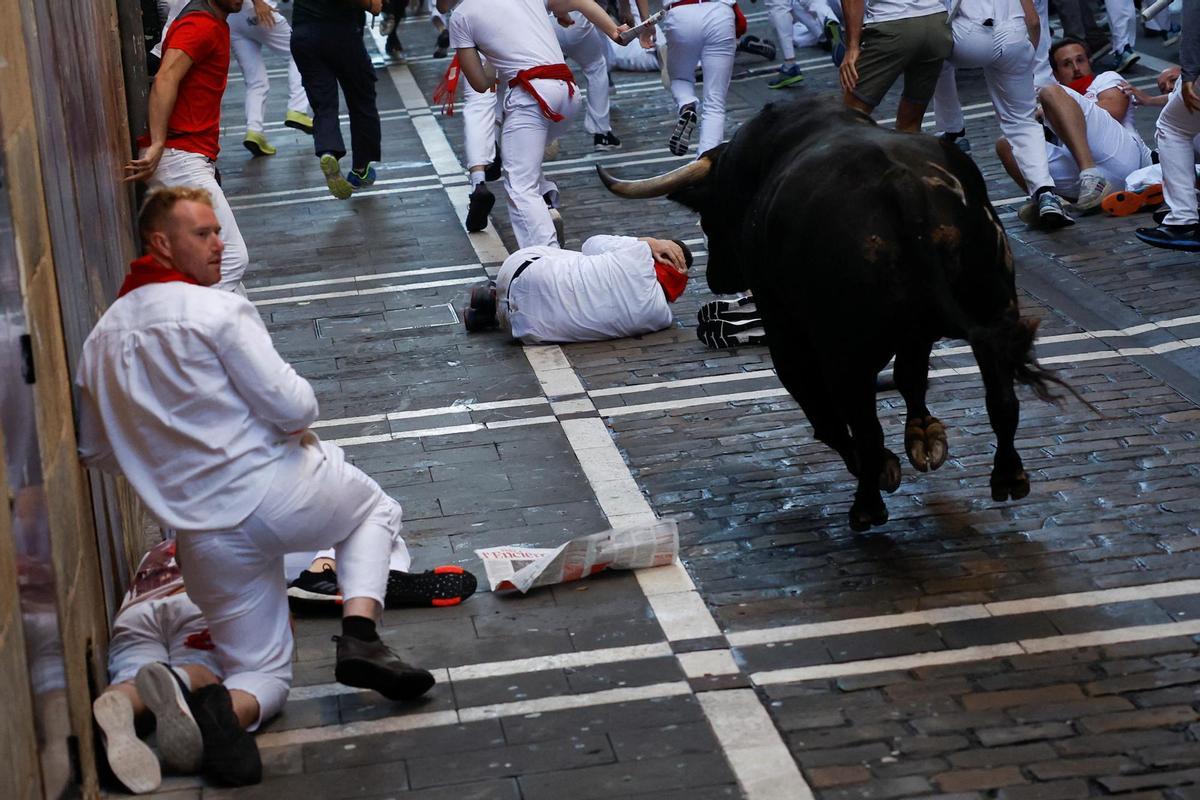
{"x":245,"y":706}
{"x":1066,"y":118}
{"x":858,"y":105}
{"x":909,"y":116}
{"x":1005,"y":152}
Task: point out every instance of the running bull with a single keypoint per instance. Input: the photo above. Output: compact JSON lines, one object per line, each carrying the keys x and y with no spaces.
{"x":860,"y":244}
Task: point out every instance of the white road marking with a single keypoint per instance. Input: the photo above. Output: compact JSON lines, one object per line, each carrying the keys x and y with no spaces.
{"x":762,"y":762}
{"x":542,"y":705}
{"x":365,"y":278}
{"x":582,"y":658}
{"x":389,"y":289}
{"x":327,"y":197}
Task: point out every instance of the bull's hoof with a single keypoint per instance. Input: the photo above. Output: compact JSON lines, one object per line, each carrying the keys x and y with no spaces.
{"x":863,"y":515}
{"x":1015,"y":486}
{"x":925,"y":443}
{"x":889,"y":476}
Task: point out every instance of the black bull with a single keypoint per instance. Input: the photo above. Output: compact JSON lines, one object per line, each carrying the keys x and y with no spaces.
{"x":860,"y":244}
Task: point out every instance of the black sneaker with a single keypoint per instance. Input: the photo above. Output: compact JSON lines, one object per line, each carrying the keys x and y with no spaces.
{"x":320,"y":587}
{"x":721,"y":333}
{"x":441,"y":586}
{"x":757,"y":46}
{"x":1172,"y":237}
{"x":177,"y":733}
{"x":605,"y":141}
{"x":479,"y":207}
{"x":681,"y":137}
{"x":443,"y":45}
{"x":230,"y":754}
{"x":373,"y":665}
{"x":738,"y":310}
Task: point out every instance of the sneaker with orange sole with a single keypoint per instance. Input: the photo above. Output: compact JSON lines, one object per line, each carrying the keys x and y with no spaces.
{"x":1125,"y":203}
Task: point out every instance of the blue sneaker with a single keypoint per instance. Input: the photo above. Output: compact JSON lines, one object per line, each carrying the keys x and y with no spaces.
{"x":788,"y":75}
{"x":361,"y":178}
{"x":1172,"y":237}
{"x":837,"y":44}
{"x":1123,"y":60}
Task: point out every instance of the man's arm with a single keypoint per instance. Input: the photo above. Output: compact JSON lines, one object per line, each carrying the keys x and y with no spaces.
{"x":1033,"y":23}
{"x":1115,"y":102}
{"x":95,"y":450}
{"x":1189,"y":55}
{"x":852,"y":13}
{"x":594,"y":13}
{"x":175,"y":65}
{"x":482,"y":77}
{"x":269,"y":385}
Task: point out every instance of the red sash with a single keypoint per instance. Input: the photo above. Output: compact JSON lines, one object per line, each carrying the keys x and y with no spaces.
{"x":739,"y":19}
{"x":146,"y":270}
{"x":445,"y":91}
{"x":556,"y":72}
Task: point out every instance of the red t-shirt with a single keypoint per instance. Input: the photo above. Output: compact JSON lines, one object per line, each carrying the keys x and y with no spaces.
{"x":195,"y":124}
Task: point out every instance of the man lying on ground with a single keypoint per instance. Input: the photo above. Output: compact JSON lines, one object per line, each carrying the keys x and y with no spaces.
{"x":617,"y":286}
{"x":183,"y":392}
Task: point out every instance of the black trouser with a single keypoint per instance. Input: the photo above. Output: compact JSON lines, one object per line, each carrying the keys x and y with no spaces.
{"x":330,"y":55}
{"x":1079,"y":22}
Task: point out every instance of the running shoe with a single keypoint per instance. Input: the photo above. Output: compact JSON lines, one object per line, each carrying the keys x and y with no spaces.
{"x":1093,"y":188}
{"x":837,"y":42}
{"x":257,"y":144}
{"x":493,"y":171}
{"x":441,"y":586}
{"x":374,"y":665}
{"x":176,"y":732}
{"x":721,"y":334}
{"x":788,"y":75}
{"x":1123,"y":60}
{"x":602,"y":142}
{"x":231,"y":756}
{"x":319,"y":587}
{"x":131,"y":760}
{"x":362,"y":178}
{"x":339,"y":187}
{"x":1052,"y":212}
{"x":299,"y":121}
{"x":1172,"y":237}
{"x":1124,"y":203}
{"x":957,"y":138}
{"x":681,"y":137}
{"x":756,"y":46}
{"x":738,"y":310}
{"x":479,"y":206}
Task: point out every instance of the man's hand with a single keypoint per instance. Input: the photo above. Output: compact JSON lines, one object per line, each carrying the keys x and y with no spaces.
{"x":1190,"y":98}
{"x":849,"y":70}
{"x":646,"y":38}
{"x":616,"y":34}
{"x":140,"y":169}
{"x":1142,"y":98}
{"x":564,"y":20}
{"x":265,"y":14}
{"x":668,"y":251}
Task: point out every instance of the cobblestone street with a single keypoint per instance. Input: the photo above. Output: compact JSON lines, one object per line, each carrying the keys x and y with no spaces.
{"x":1041,"y":649}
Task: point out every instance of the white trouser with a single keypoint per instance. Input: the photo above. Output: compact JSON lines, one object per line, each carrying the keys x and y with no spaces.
{"x":158,"y":630}
{"x":1116,"y":150}
{"x":585,"y":45}
{"x":701,"y":32}
{"x":1175,"y":135}
{"x":631,"y":57}
{"x":1122,"y":22}
{"x":480,"y":115}
{"x":236,"y":576}
{"x":1006,"y":55}
{"x":184,"y":168}
{"x":1042,"y":74}
{"x":247,"y":37}
{"x":523,"y":136}
{"x":783,"y":13}
{"x":799,"y":23}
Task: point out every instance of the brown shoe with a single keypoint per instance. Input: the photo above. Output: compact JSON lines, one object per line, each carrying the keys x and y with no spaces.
{"x":373,"y":665}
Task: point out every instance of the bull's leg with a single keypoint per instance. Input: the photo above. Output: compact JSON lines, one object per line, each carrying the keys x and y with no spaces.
{"x":875,"y":462}
{"x":1008,"y":474}
{"x":924,"y":434}
{"x":808,"y":388}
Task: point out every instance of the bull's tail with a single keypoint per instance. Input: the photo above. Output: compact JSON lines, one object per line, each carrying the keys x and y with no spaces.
{"x":1012,"y":342}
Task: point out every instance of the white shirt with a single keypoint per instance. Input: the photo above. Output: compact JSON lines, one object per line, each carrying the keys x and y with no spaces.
{"x":608,"y":291}
{"x":182,"y":390}
{"x":1102,"y":83}
{"x":876,"y":11}
{"x":512,"y":34}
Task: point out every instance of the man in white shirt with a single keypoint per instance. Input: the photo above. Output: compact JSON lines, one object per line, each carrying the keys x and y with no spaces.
{"x":522,"y":51}
{"x":617,"y":286}
{"x":182,"y":391}
{"x":1092,"y":116}
{"x":889,"y":38}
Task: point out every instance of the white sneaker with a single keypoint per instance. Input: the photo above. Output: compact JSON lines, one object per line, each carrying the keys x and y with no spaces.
{"x":176,"y":731}
{"x":1093,"y":187}
{"x":131,"y":759}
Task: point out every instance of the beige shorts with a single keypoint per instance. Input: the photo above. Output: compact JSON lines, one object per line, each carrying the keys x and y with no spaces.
{"x":913,"y":47}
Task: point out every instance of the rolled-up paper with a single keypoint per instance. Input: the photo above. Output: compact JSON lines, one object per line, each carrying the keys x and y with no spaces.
{"x":1151,"y":11}
{"x":625,"y":37}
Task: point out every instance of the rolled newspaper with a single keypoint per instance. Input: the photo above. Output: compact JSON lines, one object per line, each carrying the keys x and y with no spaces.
{"x":625,"y":37}
{"x":1151,"y":11}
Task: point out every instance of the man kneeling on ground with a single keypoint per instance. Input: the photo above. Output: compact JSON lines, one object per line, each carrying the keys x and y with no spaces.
{"x":617,"y":286}
{"x":182,"y":391}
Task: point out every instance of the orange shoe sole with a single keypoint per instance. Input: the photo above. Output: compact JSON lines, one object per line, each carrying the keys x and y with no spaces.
{"x":1124,"y":203}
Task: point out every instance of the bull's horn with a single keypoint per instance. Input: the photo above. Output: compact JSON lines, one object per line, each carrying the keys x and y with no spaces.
{"x":660,"y":185}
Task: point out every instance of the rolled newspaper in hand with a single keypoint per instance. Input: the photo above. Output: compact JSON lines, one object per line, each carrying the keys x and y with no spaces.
{"x":1151,"y":11}
{"x":625,"y":37}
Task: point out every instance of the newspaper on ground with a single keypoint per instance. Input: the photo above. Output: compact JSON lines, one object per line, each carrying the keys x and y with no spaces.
{"x":522,"y":568}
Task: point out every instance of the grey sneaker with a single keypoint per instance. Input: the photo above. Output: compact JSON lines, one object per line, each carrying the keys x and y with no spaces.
{"x":1051,"y":213}
{"x":1093,"y":187}
{"x":177,"y":732}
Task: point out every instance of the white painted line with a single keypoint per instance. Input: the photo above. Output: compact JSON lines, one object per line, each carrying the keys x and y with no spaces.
{"x":563,"y":702}
{"x":1087,"y":599}
{"x":582,"y":658}
{"x":448,"y":430}
{"x":764,"y":766}
{"x":708,"y":662}
{"x":410,"y":722}
{"x":679,"y":384}
{"x":363,"y":278}
{"x":1138,"y":633}
{"x":327,"y":197}
{"x":789,"y":633}
{"x":394,"y":288}
{"x":325,"y":191}
{"x":692,"y":402}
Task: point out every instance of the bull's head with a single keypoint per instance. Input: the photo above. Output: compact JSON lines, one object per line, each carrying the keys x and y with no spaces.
{"x":694,"y":185}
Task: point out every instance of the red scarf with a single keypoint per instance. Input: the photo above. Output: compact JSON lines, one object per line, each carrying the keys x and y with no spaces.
{"x":671,"y":280}
{"x":1081,"y":84}
{"x":446,"y":89}
{"x":557,"y":72}
{"x":146,"y":270}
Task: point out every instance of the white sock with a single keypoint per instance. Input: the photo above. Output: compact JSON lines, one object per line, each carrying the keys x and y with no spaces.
{"x":476,"y":177}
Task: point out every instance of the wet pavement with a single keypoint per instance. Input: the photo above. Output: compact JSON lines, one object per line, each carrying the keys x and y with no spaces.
{"x":1030,"y":650}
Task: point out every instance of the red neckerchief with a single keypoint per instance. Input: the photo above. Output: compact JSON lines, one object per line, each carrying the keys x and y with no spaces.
{"x":1081,"y":84}
{"x":146,"y":270}
{"x":671,"y":280}
{"x":446,"y":89}
{"x":556,"y":72}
